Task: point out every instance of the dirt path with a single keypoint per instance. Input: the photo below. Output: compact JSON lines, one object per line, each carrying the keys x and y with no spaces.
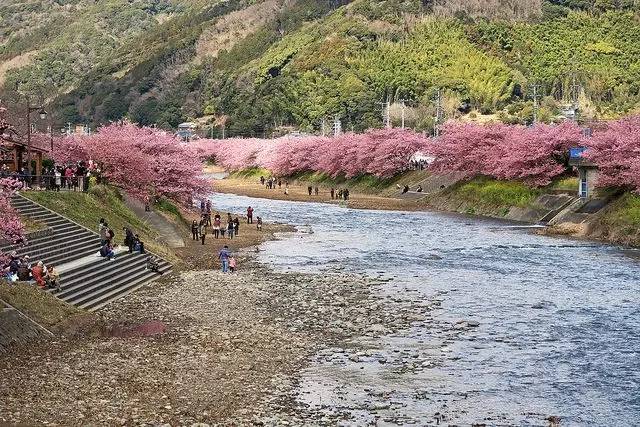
{"x":299,"y":192}
{"x":169,"y":235}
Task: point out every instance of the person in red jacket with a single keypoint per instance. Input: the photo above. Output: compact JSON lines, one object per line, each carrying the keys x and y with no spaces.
{"x":37,"y":273}
{"x":249,"y":215}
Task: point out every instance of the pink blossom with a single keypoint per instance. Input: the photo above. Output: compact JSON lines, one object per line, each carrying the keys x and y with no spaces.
{"x":144,"y":162}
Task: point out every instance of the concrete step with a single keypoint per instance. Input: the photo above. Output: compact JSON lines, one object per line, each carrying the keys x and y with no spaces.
{"x":53,"y":241}
{"x":120,"y":289}
{"x":64,"y":257}
{"x":33,"y":212}
{"x":93,"y":282}
{"x":102,"y":270}
{"x":111,"y":274}
{"x":59,"y":246}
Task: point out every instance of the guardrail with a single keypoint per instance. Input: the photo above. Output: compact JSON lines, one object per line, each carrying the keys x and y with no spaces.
{"x":52,"y":182}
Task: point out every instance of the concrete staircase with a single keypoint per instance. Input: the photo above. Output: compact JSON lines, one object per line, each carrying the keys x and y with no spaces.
{"x":86,"y":280}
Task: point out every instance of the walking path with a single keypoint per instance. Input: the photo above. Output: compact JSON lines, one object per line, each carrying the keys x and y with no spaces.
{"x":167,"y":231}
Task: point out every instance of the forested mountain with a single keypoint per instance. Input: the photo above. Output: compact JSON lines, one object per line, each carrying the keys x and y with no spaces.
{"x":258,"y":65}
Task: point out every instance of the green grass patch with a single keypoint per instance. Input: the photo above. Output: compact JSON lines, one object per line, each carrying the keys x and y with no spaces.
{"x":364,"y":183}
{"x":570,"y":183}
{"x":101,"y":202}
{"x":167,"y":207}
{"x":39,"y":305}
{"x":497,"y":193}
{"x":625,"y":213}
{"x":251,"y":173}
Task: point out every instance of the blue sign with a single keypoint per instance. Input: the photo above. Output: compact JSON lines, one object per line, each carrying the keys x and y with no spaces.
{"x":577,"y":153}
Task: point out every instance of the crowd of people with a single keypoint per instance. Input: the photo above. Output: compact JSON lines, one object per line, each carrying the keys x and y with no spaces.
{"x":72,"y":177}
{"x":336,"y":194}
{"x":201,"y":228}
{"x":107,"y":248}
{"x":21,"y":269}
{"x":213,"y":223}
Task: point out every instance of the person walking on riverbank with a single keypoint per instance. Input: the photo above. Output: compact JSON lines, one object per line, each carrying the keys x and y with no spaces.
{"x":236,"y":226}
{"x":224,"y":256}
{"x":316,"y":190}
{"x":216,"y":227}
{"x":232,"y":264}
{"x":310,"y":190}
{"x":230,"y":229}
{"x":194,"y":230}
{"x":203,"y":230}
{"x":333,"y":193}
{"x":249,"y":215}
{"x":259,"y":224}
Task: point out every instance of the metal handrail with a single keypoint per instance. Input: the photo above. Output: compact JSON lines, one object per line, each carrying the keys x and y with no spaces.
{"x":52,"y":182}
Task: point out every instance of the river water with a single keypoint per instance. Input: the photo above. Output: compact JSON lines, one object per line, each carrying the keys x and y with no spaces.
{"x":557,"y":328}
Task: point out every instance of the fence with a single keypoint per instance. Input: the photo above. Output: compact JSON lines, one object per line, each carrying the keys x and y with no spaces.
{"x":53,"y":182}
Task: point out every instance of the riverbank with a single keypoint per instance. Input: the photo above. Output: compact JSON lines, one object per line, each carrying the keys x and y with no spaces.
{"x":616,"y":219}
{"x":200,"y":346}
{"x":197,"y":345}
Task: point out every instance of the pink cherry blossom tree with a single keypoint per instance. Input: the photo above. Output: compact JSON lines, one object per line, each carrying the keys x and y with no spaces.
{"x":142,"y":161}
{"x":11,"y":227}
{"x":615,"y":149}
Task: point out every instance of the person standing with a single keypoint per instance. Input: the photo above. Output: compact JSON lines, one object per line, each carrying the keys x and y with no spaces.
{"x":259,"y":224}
{"x":216,"y":227}
{"x":236,"y":226}
{"x":224,"y":256}
{"x":129,"y":239}
{"x":309,"y":190}
{"x":249,"y":215}
{"x":102,"y":231}
{"x":230,"y":229}
{"x":57,"y":179}
{"x":195,"y":230}
{"x":232,"y":264}
{"x":333,"y":193}
{"x":203,"y":230}
{"x":316,"y":190}
{"x":110,"y":234}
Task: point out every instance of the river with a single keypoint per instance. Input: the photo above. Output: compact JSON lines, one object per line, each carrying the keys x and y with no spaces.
{"x":557,"y":320}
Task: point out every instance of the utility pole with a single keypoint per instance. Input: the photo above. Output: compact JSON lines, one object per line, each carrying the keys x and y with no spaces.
{"x":438,"y":118}
{"x":575,"y":94}
{"x":68,"y":128}
{"x":386,"y":114}
{"x":337,"y":126}
{"x":535,"y":88}
{"x":323,"y":128}
{"x":403,"y":115}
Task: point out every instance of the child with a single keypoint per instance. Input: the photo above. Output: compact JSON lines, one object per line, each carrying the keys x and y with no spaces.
{"x":232,"y":264}
{"x":259,"y":224}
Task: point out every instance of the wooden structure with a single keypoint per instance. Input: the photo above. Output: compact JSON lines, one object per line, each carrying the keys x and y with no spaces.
{"x":14,"y":153}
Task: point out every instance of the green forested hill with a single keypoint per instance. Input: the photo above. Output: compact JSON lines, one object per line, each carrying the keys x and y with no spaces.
{"x":262,"y":64}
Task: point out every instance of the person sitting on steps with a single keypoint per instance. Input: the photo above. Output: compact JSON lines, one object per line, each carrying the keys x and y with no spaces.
{"x":107,"y":251}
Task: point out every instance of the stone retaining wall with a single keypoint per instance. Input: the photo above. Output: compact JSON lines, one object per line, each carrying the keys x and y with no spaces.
{"x":16,"y":329}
